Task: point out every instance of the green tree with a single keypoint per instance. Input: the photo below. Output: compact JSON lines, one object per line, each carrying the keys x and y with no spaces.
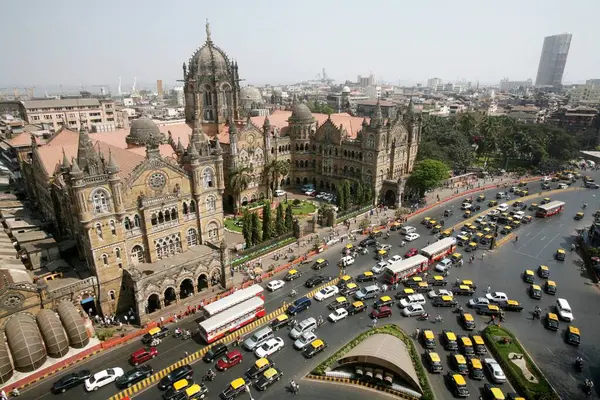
{"x":289,"y":218}
{"x":267,"y":222}
{"x":247,"y":228}
{"x":347,"y":194}
{"x":359,"y":197}
{"x":279,"y":220}
{"x":255,"y":235}
{"x":239,"y":180}
{"x":340,"y":197}
{"x":274,"y":170}
{"x":369,"y":194}
{"x":319,"y":108}
{"x":427,"y":174}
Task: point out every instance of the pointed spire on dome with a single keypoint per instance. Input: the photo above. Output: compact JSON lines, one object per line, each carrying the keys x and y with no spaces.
{"x":75,"y":170}
{"x":208,"y":38}
{"x":112,"y":164}
{"x":65,"y":161}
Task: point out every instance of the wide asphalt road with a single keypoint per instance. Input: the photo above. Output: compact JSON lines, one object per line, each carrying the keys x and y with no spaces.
{"x":295,"y":366}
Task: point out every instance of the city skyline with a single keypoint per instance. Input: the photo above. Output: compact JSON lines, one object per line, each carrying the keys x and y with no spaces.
{"x":150,"y":41}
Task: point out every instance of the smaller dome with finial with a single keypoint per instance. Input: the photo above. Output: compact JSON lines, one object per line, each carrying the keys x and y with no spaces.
{"x":142,"y":131}
{"x":345,"y":89}
{"x":301,"y":112}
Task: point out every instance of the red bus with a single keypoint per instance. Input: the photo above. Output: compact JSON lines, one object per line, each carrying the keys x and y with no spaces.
{"x":547,"y":210}
{"x":405,"y":268}
{"x":440,"y":249}
{"x":235,"y":298}
{"x":232,"y":319}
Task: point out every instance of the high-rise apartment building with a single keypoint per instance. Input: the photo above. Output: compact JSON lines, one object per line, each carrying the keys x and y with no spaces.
{"x":159,"y":88}
{"x":553,"y":60}
{"x":432,"y":83}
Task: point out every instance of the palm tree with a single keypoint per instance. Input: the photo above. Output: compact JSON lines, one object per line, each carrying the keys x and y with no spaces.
{"x":239,"y":180}
{"x":273,"y":171}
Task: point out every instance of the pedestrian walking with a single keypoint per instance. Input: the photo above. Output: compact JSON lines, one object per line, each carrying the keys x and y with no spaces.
{"x":492,"y":320}
{"x":162,"y":320}
{"x":489,"y":289}
{"x":374,"y":322}
{"x":125,"y":318}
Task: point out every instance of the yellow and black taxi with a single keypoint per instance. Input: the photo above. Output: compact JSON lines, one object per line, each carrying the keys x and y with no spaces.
{"x":422,"y":287}
{"x":375,"y":233}
{"x":431,"y":223}
{"x":560,"y":254}
{"x":527,"y":219}
{"x":528,"y":276}
{"x":545,"y":200}
{"x":491,"y":392}
{"x":518,"y":205}
{"x":552,"y":321}
{"x":511,"y":305}
{"x":493,"y":203}
{"x":349,"y":289}
{"x":434,"y":362}
{"x":524,"y":193}
{"x":413,"y":281}
{"x":517,"y":191}
{"x":515,"y":223}
{"x":478,"y":344}
{"x":523,"y":184}
{"x":445,"y":233}
{"x":268,"y":378}
{"x":467,"y":321}
{"x":466,"y":346}
{"x":578,"y":216}
{"x":459,"y":362}
{"x":475,"y":368}
{"x":543,"y":271}
{"x":470,"y":228}
{"x":437,"y":280}
{"x":467,"y":282}
{"x":404,"y":293}
{"x":456,"y":257}
{"x":384,"y":301}
{"x":396,"y":226}
{"x":463,"y":239}
{"x":535,"y":292}
{"x":356,"y":307}
{"x":444,"y":301}
{"x":259,"y":366}
{"x":366,"y":276}
{"x":436,"y":229}
{"x":381,"y":255}
{"x":472,"y":246}
{"x":467,"y":214}
{"x":487,"y":239}
{"x":449,"y":340}
{"x":573,"y":336}
{"x":463,"y":290}
{"x":195,"y":392}
{"x":487,"y":230}
{"x":490,"y":309}
{"x":234,"y":389}
{"x":550,"y":287}
{"x":425,"y":220}
{"x":344,"y":280}
{"x":505,"y":230}
{"x":481,"y":197}
{"x":532,"y":207}
{"x":155,"y":333}
{"x":428,"y":339}
{"x":320,"y":263}
{"x":177,"y":388}
{"x":347,"y":248}
{"x":339,"y":302}
{"x":292,"y":274}
{"x":280,"y":321}
{"x":457,"y":385}
{"x":314,"y":348}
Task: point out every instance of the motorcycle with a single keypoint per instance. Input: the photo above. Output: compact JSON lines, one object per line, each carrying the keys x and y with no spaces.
{"x":438,"y":319}
{"x":320,"y":321}
{"x":209,"y":376}
{"x":537,"y":314}
{"x":177,"y":334}
{"x":588,"y":385}
{"x":423,"y":317}
{"x":155,"y":342}
{"x":458,"y":310}
{"x":579,"y":364}
{"x":186,"y":335}
{"x":293,"y":293}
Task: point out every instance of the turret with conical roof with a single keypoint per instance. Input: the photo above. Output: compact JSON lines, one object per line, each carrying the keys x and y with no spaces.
{"x":112,"y":167}
{"x":65,"y":165}
{"x":377,"y":119}
{"x":76,"y":172}
{"x":87,"y":157}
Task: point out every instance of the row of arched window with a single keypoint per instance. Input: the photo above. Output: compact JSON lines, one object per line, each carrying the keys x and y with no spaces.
{"x":163,"y":216}
{"x":168,"y":245}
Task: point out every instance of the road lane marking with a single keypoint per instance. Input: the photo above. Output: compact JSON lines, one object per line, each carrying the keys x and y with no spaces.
{"x":547,"y":348}
{"x":549,"y":243}
{"x":572,"y":377}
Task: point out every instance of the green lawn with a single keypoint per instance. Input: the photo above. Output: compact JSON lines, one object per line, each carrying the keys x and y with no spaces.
{"x":302,"y":209}
{"x":229,"y":224}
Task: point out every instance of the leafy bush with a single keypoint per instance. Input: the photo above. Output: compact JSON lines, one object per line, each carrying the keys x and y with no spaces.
{"x":297,"y":202}
{"x":105,"y":333}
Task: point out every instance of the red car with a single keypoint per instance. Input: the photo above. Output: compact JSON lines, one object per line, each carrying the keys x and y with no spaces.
{"x":143,"y":355}
{"x":411,"y":252}
{"x":230,"y":359}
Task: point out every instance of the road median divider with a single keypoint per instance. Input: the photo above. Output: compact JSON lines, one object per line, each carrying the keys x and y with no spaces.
{"x":230,"y":338}
{"x":348,"y":381}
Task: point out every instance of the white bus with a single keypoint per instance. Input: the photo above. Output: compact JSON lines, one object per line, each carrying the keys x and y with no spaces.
{"x":237,"y":297}
{"x":232,"y":319}
{"x":440,"y":249}
{"x":404,"y":268}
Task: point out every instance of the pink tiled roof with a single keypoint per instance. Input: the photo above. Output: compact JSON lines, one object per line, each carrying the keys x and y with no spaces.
{"x":22,"y":139}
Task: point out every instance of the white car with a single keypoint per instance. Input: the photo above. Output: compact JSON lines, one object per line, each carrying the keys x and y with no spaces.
{"x":479,"y":220}
{"x":478,"y":302}
{"x":102,"y":378}
{"x":279,"y":193}
{"x":413,"y":310}
{"x":411,"y":236}
{"x":493,"y":212}
{"x":412,"y":300}
{"x":546,"y":179}
{"x":275,"y":285}
{"x":439,"y":293}
{"x":326,"y":293}
{"x":385,"y":247}
{"x":379,"y":267}
{"x":394,"y":259}
{"x":306,"y":338}
{"x":444,"y":265}
{"x":269,"y":347}
{"x":495,"y":371}
{"x":309,"y":192}
{"x":496,"y":297}
{"x":338,"y":314}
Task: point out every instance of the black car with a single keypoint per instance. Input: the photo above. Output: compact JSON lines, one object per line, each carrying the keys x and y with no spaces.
{"x":368,"y":242}
{"x":314,"y":281}
{"x":259,"y":367}
{"x":520,"y":207}
{"x":172,"y":393}
{"x":215,"y":352}
{"x":70,"y":380}
{"x":185,"y":371}
{"x":444,"y":301}
{"x":147,"y":338}
{"x":268,"y":378}
{"x":133,"y":376}
{"x":448,"y":213}
{"x":463,"y":290}
{"x":366,"y":277}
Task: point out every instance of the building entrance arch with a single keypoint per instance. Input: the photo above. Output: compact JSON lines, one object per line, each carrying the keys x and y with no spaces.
{"x":153,"y":303}
{"x":186,"y":288}
{"x":170,"y":296}
{"x":389,"y":199}
{"x":202,"y":282}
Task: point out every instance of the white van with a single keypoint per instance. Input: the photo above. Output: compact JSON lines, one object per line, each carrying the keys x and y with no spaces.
{"x":367,"y":292}
{"x":563,"y":186}
{"x":564,"y":310}
{"x":258,"y":338}
{"x":502,"y":207}
{"x":519,"y":215}
{"x":345,"y":261}
{"x":308,"y":325}
{"x":405,"y":230}
{"x":500,"y":195}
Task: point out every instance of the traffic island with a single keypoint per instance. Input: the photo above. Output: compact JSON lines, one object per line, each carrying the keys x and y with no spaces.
{"x":382,"y":358}
{"x":519,"y":368}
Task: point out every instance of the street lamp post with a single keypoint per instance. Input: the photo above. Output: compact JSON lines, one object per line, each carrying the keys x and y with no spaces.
{"x":249,"y":392}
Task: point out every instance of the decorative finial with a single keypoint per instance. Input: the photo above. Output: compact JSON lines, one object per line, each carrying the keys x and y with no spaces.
{"x":208,"y":39}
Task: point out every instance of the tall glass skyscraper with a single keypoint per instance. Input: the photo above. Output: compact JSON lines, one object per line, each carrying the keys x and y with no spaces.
{"x":553,"y":60}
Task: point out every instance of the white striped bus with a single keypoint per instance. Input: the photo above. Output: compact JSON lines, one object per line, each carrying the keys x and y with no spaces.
{"x":549,"y":209}
{"x":440,"y":249}
{"x":404,"y":268}
{"x":232,"y":319}
{"x":237,"y":297}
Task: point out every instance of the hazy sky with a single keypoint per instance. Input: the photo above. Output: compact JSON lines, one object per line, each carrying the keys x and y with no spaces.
{"x":73,"y":41}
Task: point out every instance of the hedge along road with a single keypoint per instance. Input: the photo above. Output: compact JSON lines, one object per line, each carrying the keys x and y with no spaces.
{"x":172,"y":350}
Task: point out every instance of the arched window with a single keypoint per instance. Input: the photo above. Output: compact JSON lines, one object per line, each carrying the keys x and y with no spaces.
{"x":297,"y":147}
{"x":192,"y":237}
{"x":371,"y":141}
{"x":167,"y":216}
{"x":111,"y":295}
{"x":100,"y":200}
{"x":336,"y":152}
{"x":173,"y":214}
{"x":272,"y":150}
{"x":208,"y":178}
{"x":211,"y":203}
{"x":168,"y":246}
{"x":185,"y":208}
{"x":345,"y":153}
{"x":213,"y":232}
{"x":113,"y":228}
{"x":154,"y":220}
{"x":105,"y":259}
{"x":99,"y":231}
{"x":127,"y":223}
{"x":192,"y":206}
{"x":118,"y":253}
{"x":137,"y":254}
{"x":161,"y":217}
{"x":314,"y":147}
{"x":137,"y":222}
